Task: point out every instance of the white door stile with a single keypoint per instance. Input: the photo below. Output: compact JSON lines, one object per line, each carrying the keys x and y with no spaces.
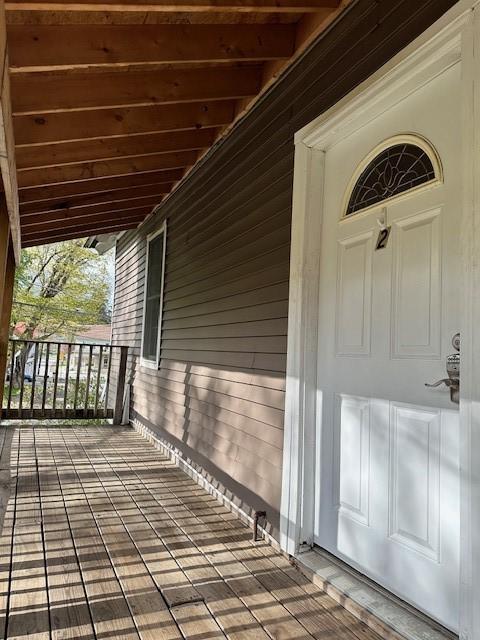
{"x":455,"y":36}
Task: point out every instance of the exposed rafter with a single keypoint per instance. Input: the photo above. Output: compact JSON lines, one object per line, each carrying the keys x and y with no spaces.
{"x":114,"y":103}
{"x":114,"y":198}
{"x":187,"y":6}
{"x":114,"y":167}
{"x":72,"y":217}
{"x":90,"y":187}
{"x":64,"y":153}
{"x":41,"y":128}
{"x":39,"y":93}
{"x":44,"y":48}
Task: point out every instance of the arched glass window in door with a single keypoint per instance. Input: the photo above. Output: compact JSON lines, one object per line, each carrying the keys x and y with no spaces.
{"x":397,"y":168}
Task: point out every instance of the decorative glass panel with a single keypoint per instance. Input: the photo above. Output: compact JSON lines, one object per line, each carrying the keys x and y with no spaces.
{"x":395,"y":170}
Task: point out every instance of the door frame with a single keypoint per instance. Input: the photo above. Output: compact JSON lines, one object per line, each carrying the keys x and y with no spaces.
{"x":454,"y":39}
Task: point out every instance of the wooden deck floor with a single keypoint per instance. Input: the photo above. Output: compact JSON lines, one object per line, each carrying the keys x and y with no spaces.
{"x":103,"y":537}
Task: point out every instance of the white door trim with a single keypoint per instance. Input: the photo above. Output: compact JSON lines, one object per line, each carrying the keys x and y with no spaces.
{"x":454,"y":38}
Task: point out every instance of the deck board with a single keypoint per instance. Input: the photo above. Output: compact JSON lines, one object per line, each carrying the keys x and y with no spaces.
{"x":104,"y":538}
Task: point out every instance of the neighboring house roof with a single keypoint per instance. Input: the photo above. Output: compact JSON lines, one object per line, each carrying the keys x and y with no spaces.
{"x":95,"y":332}
{"x":19,"y":330}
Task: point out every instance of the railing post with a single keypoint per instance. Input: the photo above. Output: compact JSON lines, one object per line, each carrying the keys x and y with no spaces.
{"x":119,"y":396}
{"x":5,"y":313}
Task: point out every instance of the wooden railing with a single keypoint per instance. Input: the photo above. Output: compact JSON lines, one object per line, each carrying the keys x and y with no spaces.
{"x":55,"y":380}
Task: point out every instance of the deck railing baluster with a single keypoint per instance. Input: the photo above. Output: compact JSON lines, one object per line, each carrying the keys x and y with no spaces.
{"x":67,"y":373}
{"x":121,"y":379}
{"x":22,"y":378}
{"x":107,"y":383}
{"x":34,"y":377}
{"x":10,"y":381}
{"x":77,"y":384}
{"x":99,"y":379}
{"x":39,"y":363}
{"x":55,"y":380}
{"x":45,"y":377}
{"x":89,"y":372}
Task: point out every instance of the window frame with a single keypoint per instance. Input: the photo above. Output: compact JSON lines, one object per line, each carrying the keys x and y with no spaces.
{"x":405,"y":138}
{"x":145,"y":362}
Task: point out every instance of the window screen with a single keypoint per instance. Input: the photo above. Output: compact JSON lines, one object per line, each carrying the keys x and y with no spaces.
{"x":153,"y":298}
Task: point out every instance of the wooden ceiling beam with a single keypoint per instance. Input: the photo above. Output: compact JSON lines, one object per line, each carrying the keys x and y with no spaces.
{"x":49,"y":237}
{"x":90,"y":187}
{"x":70,"y":213}
{"x":49,"y":47}
{"x":166,"y":6}
{"x":39,"y":93}
{"x":115,"y":167}
{"x":107,"y":148}
{"x":138,"y":17}
{"x":72,"y":221}
{"x":117,"y":195}
{"x":79,"y":125}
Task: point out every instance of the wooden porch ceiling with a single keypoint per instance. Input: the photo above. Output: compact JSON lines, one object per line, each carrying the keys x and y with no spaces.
{"x":113,"y":103}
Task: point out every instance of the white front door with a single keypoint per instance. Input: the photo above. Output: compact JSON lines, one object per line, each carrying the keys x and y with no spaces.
{"x":387,"y":485}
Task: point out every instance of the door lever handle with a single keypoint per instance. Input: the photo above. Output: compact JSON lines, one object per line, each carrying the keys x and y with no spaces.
{"x":449,"y":382}
{"x":453,"y":371}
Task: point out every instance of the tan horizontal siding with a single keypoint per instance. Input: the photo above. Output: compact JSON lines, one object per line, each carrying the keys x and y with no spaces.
{"x":219,"y":390}
{"x":221,"y":437}
{"x":257,"y":221}
{"x":267,"y":178}
{"x":272,"y":293}
{"x":245,"y":468}
{"x":218,"y":395}
{"x":269,"y":250}
{"x":265,"y":361}
{"x":252,"y":281}
{"x":250,"y":405}
{"x":244,"y":315}
{"x":234,"y":374}
{"x":235,"y":388}
{"x":211,"y":413}
{"x":275,"y":327}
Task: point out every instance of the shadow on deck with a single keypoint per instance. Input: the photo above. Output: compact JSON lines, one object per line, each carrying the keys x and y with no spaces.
{"x":104,"y":538}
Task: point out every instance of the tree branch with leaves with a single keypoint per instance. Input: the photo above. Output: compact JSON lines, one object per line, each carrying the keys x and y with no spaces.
{"x":60,"y":289}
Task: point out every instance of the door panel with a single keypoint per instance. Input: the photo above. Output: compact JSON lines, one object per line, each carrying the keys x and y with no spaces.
{"x":352,"y":457}
{"x":417,"y":285}
{"x":414,"y":480}
{"x":387,"y":488}
{"x":354,"y":294}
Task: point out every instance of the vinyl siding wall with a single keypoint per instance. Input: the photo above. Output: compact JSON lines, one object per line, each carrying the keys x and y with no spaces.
{"x":218,"y":396}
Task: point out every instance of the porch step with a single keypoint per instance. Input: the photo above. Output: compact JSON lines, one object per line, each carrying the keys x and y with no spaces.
{"x":382,"y":612}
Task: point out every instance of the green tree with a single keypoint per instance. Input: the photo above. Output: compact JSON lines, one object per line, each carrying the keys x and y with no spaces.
{"x":59,"y":289}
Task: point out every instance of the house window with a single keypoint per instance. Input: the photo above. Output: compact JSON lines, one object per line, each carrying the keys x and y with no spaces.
{"x":152,"y":310}
{"x":396,"y":169}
